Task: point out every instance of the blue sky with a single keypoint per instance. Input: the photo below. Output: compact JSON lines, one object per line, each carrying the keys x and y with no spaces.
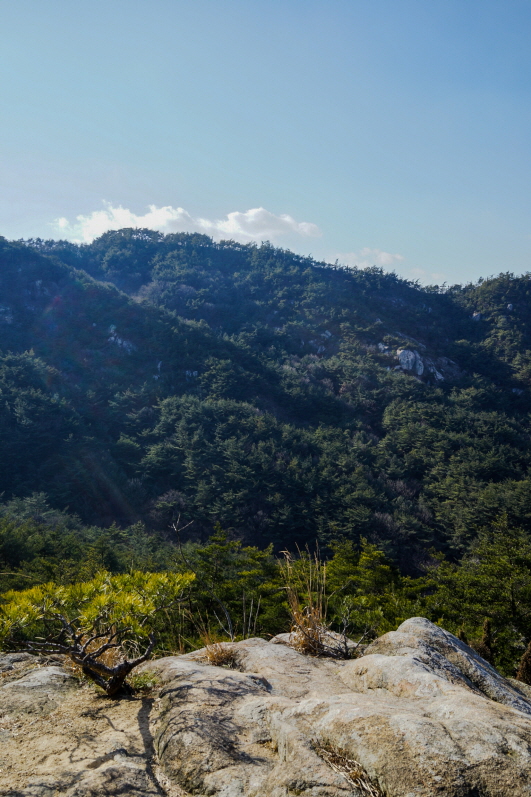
{"x":394,"y":132}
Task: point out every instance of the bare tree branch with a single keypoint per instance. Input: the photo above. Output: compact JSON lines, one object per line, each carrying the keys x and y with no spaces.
{"x":72,"y":641}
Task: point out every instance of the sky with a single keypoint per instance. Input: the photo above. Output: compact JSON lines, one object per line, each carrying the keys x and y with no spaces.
{"x":373,"y":132}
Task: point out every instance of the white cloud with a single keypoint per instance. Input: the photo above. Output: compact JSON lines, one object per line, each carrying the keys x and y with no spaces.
{"x":368,"y":257}
{"x":257,"y":224}
{"x":427,"y":278}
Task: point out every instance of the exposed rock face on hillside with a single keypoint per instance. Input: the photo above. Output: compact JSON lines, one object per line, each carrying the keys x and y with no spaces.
{"x":410,"y":360}
{"x":420,"y":714}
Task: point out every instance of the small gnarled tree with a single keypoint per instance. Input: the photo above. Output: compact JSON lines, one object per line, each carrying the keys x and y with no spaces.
{"x":98,"y":624}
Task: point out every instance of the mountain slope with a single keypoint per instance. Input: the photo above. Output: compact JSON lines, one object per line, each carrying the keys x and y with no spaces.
{"x":145,"y":376}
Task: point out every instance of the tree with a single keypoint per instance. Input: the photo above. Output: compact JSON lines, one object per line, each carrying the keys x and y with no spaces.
{"x":491,"y":583}
{"x":88,"y":621}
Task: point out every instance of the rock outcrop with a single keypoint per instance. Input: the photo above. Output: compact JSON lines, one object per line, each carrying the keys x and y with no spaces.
{"x":410,"y":360}
{"x":419,"y":714}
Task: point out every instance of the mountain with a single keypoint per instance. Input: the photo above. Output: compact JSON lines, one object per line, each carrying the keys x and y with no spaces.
{"x":148,"y":377}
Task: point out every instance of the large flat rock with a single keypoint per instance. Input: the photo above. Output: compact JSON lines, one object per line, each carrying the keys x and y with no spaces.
{"x":419,"y":715}
{"x":420,"y":712}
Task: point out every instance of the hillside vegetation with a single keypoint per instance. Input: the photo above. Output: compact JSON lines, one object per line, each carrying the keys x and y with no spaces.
{"x":151,"y":382}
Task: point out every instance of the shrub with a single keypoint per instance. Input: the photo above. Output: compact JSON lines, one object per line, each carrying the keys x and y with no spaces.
{"x":101,"y":625}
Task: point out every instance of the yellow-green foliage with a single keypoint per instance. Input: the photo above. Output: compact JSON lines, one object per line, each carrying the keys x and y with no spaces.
{"x":129,"y":600}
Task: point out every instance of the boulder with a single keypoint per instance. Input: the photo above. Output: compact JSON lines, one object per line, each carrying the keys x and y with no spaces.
{"x":420,"y":714}
{"x":15,"y":661}
{"x":410,"y":360}
{"x":37,"y":690}
{"x":337,"y":645}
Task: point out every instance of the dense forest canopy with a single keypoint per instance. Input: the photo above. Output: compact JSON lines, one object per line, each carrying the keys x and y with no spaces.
{"x":149,"y":376}
{"x":169,"y":403}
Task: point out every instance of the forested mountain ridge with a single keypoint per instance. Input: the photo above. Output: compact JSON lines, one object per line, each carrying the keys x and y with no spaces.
{"x":146,"y":376}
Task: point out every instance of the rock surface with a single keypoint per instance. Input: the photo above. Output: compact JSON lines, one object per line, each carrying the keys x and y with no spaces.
{"x":419,"y":715}
{"x":57,"y":738}
{"x":335,"y":645}
{"x":410,"y":360}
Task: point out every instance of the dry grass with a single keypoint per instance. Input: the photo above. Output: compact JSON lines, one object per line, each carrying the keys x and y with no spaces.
{"x":350,"y":769}
{"x":219,"y":654}
{"x":306,"y":576}
{"x":524,"y":668}
{"x":310,"y":631}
